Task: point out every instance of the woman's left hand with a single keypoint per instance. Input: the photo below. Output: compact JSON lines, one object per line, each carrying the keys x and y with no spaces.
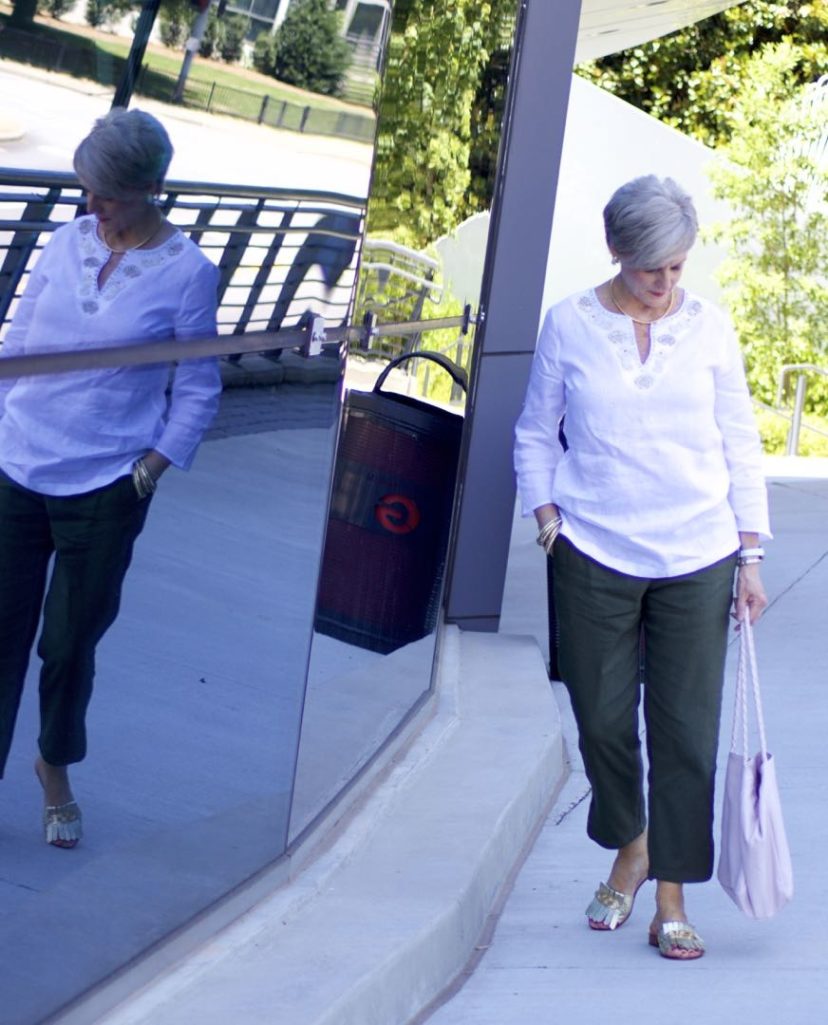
{"x":750,"y":598}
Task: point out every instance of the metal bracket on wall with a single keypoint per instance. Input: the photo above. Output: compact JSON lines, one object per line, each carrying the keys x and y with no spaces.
{"x":315,"y":337}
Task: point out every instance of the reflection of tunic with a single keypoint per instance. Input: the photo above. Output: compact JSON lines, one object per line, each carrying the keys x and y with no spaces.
{"x":69,"y":433}
{"x":664,"y":461}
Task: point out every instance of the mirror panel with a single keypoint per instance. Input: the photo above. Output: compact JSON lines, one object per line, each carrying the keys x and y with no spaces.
{"x":195,"y":719}
{"x":196,"y":759}
{"x":193,"y":726}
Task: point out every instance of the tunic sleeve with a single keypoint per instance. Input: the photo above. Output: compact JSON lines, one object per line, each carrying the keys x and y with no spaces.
{"x":537,"y":446}
{"x":196,"y":385}
{"x":742,"y":445}
{"x":14,"y":343}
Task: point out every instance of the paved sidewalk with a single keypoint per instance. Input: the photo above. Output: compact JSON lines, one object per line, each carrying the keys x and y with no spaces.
{"x":545,"y":966}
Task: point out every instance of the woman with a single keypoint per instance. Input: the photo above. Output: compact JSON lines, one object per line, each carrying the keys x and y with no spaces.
{"x":657,"y":500}
{"x":81,"y":452}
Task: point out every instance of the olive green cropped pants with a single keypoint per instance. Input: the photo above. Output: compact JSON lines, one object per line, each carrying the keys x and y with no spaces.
{"x":90,"y":538}
{"x":613,"y":626}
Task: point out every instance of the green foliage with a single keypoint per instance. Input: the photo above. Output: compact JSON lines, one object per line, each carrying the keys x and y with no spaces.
{"x":212,"y":34}
{"x":102,"y":12}
{"x":692,"y":78}
{"x":307,"y":50}
{"x":96,"y":12}
{"x":773,"y":431}
{"x":56,"y":8}
{"x":263,"y":53}
{"x":224,"y":36}
{"x":773,"y":175}
{"x":434,"y":109}
{"x":174,"y":20}
{"x":230,"y":44}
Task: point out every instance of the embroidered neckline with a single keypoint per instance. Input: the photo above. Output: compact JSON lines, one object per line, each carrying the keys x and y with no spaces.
{"x":619,"y":331}
{"x":133,"y":263}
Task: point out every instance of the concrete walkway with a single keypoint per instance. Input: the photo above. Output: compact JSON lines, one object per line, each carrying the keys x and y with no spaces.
{"x":544,"y":965}
{"x":425,"y":909}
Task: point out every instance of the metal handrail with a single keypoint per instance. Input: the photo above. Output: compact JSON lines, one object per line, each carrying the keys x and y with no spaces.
{"x":801,"y":370}
{"x":171,"y":351}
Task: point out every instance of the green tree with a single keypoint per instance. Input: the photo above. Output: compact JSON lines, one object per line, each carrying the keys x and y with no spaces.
{"x":774,"y":176}
{"x":213,"y":33}
{"x":231,"y":42}
{"x":437,"y":57}
{"x":307,"y":50}
{"x":691,"y":79}
{"x":56,"y":8}
{"x":102,"y":12}
{"x":174,"y":18}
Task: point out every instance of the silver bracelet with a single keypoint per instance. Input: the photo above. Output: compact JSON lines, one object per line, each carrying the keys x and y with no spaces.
{"x":749,"y":556}
{"x":143,"y":481}
{"x":548,"y":532}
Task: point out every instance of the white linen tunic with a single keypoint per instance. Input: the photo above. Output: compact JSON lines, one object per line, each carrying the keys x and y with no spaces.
{"x":63,"y":434}
{"x":663,"y":467}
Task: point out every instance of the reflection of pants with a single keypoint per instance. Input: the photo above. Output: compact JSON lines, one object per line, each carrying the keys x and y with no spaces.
{"x":601,"y":614}
{"x":91,"y":535}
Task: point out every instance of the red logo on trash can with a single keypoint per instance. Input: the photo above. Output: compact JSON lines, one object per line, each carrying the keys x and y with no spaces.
{"x":397,"y":514}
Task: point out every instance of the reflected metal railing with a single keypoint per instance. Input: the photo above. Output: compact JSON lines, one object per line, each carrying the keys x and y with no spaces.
{"x":308,"y":339}
{"x":280,"y":252}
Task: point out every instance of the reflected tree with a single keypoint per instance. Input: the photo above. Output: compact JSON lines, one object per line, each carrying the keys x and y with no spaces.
{"x":439,"y":115}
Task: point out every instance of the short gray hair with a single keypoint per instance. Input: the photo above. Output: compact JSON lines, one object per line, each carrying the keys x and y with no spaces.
{"x":127,"y":151}
{"x":650,"y":220}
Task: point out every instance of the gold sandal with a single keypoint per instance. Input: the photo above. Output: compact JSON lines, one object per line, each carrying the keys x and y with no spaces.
{"x":62,"y":824}
{"x":610,"y":908}
{"x":677,"y":941}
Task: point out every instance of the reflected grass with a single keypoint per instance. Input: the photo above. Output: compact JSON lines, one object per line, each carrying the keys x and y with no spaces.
{"x":87,"y":53}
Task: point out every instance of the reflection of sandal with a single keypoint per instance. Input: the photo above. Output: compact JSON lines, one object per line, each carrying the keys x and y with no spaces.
{"x":677,"y":941}
{"x":610,"y":908}
{"x":62,"y":824}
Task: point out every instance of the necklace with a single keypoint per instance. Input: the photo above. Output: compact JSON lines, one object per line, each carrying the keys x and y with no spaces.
{"x":635,"y":320}
{"x":138,"y":245}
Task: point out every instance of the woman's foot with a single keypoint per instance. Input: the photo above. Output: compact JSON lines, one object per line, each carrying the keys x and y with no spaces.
{"x":61,"y":814}
{"x":629,"y":870}
{"x":670,"y":931}
{"x":613,"y":901}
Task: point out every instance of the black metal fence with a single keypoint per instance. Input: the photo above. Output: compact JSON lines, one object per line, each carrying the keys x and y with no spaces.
{"x":256,"y":106}
{"x":42,"y":51}
{"x":53,"y":55}
{"x":281,"y":253}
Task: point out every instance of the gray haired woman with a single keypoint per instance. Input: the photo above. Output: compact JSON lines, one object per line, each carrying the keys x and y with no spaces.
{"x":81,"y":452}
{"x":656,"y":501}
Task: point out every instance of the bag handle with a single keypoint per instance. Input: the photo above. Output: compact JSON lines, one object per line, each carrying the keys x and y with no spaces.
{"x":747,"y":669}
{"x":458,"y":374}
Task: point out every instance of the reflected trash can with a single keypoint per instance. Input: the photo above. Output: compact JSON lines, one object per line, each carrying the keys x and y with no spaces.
{"x":388,"y":528}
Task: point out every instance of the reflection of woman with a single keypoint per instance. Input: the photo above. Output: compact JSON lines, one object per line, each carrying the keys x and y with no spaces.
{"x":80,"y":453}
{"x":658,"y":498}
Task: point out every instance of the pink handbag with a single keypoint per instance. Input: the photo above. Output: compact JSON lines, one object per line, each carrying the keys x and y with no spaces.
{"x":755,"y":863}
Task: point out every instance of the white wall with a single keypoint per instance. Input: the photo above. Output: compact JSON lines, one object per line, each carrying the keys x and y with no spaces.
{"x":607,"y":143}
